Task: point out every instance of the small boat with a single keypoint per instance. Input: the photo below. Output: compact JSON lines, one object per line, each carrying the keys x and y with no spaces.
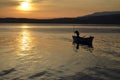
{"x":83,"y":40}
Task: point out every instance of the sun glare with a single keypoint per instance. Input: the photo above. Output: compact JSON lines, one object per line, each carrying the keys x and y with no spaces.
{"x":25,"y":6}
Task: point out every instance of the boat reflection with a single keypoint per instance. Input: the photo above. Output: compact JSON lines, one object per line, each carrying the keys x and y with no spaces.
{"x":86,"y":47}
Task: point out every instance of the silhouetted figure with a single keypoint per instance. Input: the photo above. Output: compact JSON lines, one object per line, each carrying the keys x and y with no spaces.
{"x":77,"y":41}
{"x":77,"y":33}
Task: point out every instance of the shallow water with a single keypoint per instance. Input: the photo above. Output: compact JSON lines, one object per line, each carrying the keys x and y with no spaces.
{"x":45,"y":52}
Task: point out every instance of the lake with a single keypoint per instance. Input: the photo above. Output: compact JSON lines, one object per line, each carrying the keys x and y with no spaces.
{"x":46,"y":52}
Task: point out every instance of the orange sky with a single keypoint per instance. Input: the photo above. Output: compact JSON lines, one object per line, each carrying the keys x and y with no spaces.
{"x":55,"y":8}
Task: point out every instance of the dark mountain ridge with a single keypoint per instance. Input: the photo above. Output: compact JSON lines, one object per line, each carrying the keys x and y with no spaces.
{"x":95,"y":18}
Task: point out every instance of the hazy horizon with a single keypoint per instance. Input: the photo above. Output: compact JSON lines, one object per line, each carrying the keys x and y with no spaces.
{"x":42,"y":9}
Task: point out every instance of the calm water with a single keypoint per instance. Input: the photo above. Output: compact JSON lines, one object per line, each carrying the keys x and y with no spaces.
{"x":45,"y":52}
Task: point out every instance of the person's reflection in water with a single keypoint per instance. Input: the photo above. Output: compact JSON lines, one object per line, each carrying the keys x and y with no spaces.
{"x":77,"y":46}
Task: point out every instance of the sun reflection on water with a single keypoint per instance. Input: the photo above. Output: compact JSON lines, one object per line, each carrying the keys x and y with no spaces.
{"x":25,"y":41}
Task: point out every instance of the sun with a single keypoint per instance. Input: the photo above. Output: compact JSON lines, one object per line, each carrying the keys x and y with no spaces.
{"x":25,"y":6}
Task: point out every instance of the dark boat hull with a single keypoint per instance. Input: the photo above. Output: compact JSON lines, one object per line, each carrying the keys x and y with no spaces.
{"x":84,"y":41}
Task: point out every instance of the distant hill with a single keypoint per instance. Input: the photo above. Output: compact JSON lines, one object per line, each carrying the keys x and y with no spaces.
{"x":105,"y":13}
{"x":101,"y":18}
{"x":95,"y":18}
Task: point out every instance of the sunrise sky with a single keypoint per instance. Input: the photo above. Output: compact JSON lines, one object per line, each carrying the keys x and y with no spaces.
{"x":55,"y":8}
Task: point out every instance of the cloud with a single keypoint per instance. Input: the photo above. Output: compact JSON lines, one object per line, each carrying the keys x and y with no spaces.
{"x":8,"y":3}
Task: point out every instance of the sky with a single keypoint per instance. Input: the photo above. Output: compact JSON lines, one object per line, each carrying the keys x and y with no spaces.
{"x":55,"y":8}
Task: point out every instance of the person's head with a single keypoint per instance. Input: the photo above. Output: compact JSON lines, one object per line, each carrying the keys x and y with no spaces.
{"x":77,"y":33}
